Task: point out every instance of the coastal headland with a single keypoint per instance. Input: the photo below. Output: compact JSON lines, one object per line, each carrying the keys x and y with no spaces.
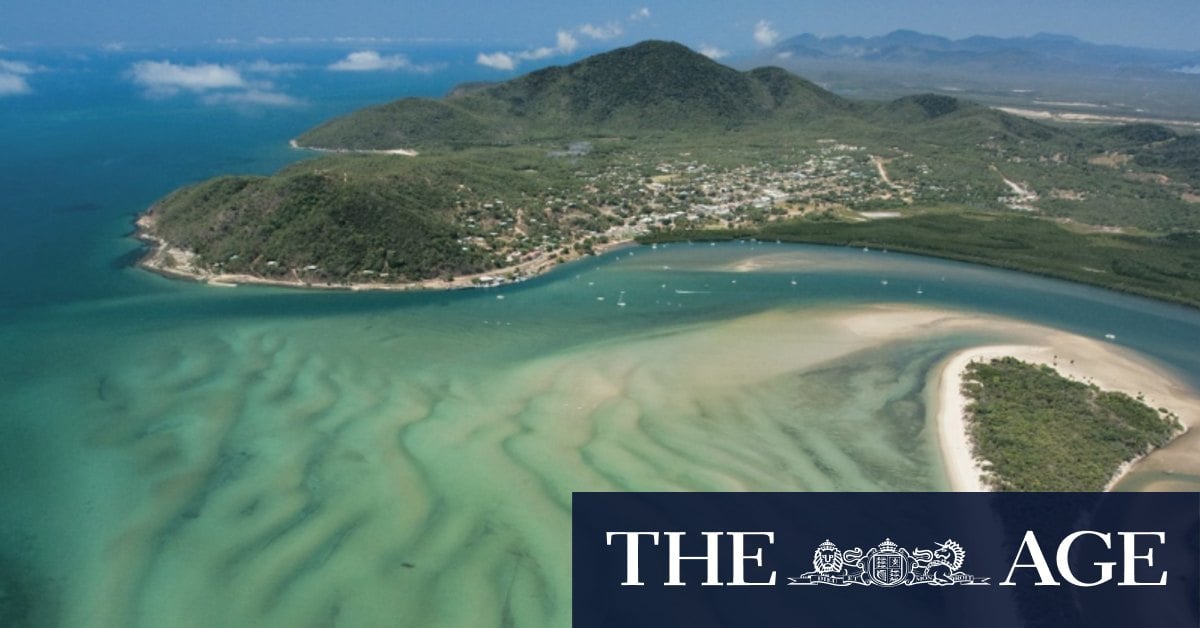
{"x":655,"y":142}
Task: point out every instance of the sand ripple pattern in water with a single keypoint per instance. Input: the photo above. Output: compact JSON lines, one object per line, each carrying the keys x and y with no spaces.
{"x":297,"y":480}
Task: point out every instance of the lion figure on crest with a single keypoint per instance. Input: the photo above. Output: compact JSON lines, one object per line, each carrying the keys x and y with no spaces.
{"x":829,"y":561}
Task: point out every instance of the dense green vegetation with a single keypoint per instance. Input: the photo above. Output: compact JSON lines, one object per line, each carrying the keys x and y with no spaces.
{"x":1165,"y":267}
{"x":1134,"y":135}
{"x":672,"y":145}
{"x":1038,"y":431}
{"x":650,"y":88}
{"x":1179,"y":157}
{"x":354,"y":213}
{"x":409,"y":123}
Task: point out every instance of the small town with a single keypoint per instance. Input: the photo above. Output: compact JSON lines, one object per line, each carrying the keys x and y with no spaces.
{"x":619,"y":203}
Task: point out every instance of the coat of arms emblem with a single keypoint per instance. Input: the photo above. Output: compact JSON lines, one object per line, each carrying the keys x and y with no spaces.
{"x":888,"y":565}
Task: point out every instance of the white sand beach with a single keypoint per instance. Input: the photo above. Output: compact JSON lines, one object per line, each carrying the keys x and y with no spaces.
{"x":166,"y":259}
{"x":406,"y":152}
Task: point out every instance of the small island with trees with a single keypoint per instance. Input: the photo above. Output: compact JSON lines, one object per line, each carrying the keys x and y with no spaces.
{"x":1031,"y":429}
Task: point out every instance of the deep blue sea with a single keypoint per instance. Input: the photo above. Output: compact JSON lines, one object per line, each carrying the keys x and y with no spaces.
{"x":173,"y":454}
{"x":89,"y":148}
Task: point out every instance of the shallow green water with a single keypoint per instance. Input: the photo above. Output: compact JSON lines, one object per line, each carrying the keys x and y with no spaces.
{"x":205,"y":456}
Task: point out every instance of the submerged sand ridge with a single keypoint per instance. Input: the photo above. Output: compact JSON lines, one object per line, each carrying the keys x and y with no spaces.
{"x":405,"y":473}
{"x":287,"y":482}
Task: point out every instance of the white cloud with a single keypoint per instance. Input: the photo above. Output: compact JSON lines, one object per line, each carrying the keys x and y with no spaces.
{"x":362,"y":40}
{"x":533,"y":55}
{"x":12,"y":78}
{"x":262,"y":66}
{"x":371,"y":61}
{"x":1191,"y":69}
{"x":251,"y":97}
{"x":217,"y":84}
{"x":713,"y":52}
{"x":265,"y":40}
{"x":163,"y":78}
{"x":565,"y":44}
{"x":497,"y":61}
{"x":764,"y":35}
{"x":13,"y":85}
{"x":602,"y":32}
{"x":15,"y":67}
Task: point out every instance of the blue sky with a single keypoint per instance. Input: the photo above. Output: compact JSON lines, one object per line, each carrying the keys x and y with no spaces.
{"x":524,"y":25}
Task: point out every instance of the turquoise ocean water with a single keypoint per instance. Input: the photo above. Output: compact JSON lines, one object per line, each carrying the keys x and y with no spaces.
{"x":176,"y":454}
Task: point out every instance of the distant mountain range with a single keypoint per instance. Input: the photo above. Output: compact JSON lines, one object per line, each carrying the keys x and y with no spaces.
{"x":1041,"y":53}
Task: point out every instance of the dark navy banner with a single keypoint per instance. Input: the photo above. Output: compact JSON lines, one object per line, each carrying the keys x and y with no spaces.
{"x":892,"y":560}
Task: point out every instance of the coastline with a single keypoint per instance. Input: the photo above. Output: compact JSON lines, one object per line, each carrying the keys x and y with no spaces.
{"x":355,"y":151}
{"x":163,"y":258}
{"x":1075,"y":357}
{"x":1094,"y":361}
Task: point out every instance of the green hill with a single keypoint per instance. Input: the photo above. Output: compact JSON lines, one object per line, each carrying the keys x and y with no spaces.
{"x":1178,"y":156}
{"x":651,"y":87}
{"x":924,"y":107}
{"x":409,"y":123}
{"x":965,"y":121}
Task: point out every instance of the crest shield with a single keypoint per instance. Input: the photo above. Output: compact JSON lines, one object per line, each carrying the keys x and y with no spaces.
{"x":888,"y":569}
